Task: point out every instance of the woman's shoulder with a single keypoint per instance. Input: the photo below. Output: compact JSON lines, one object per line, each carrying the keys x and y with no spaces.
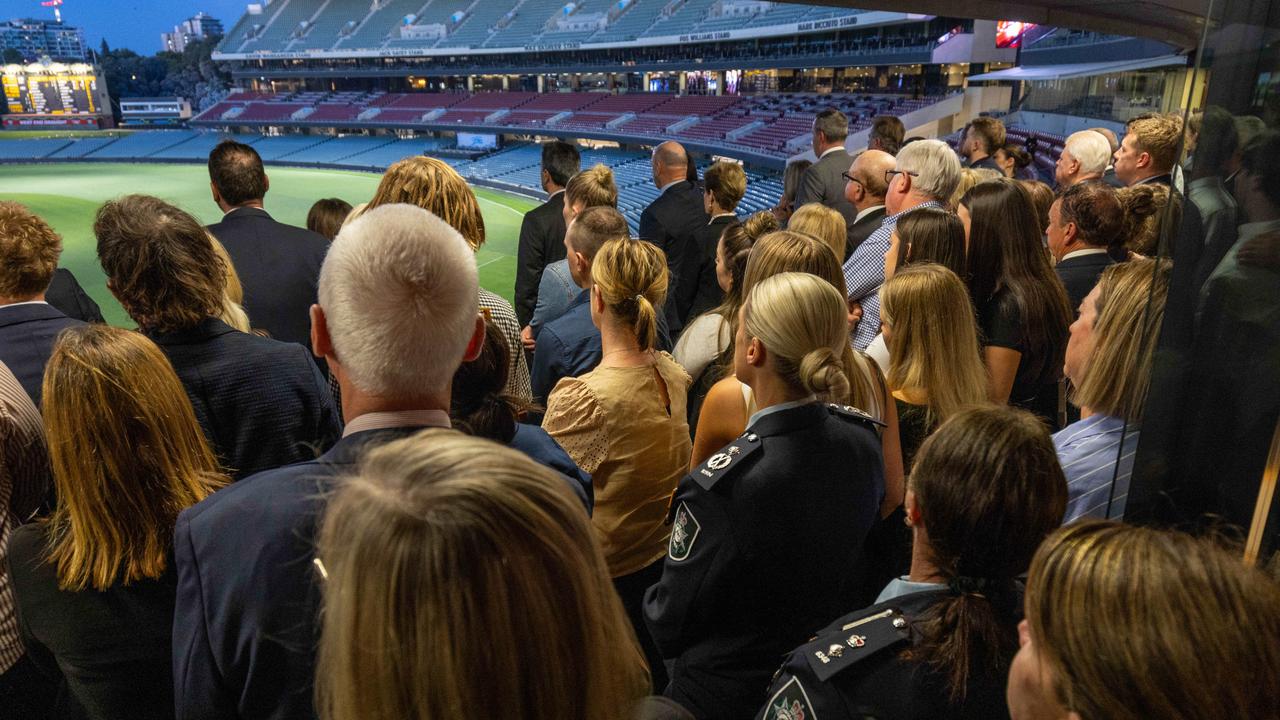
{"x":671,"y":369}
{"x":28,"y":544}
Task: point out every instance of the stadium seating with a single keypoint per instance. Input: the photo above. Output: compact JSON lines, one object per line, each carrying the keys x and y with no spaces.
{"x":140,"y":144}
{"x":33,"y":149}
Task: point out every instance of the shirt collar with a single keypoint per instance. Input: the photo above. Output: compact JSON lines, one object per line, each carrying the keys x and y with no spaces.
{"x":669,"y":185}
{"x":868,"y":211}
{"x":25,"y":302}
{"x":1085,"y":251}
{"x":925,"y":204}
{"x":900,"y":586}
{"x":724,"y":214}
{"x":397,"y":419}
{"x":558,"y":192}
{"x":1248,"y":231}
{"x":779,"y":408}
{"x":830,"y":150}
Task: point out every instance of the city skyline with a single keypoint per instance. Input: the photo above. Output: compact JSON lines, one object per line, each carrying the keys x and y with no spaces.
{"x":132,"y":24}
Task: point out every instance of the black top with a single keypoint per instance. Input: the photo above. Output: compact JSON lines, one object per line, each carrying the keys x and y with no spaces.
{"x":1035,"y":386}
{"x":27,"y":335}
{"x":915,"y":422}
{"x":672,"y":222}
{"x":541,"y":243}
{"x":70,"y":299}
{"x":262,"y":403}
{"x":112,"y":649}
{"x":279,"y":267}
{"x":766,"y":543}
{"x":703,"y":291}
{"x":852,"y":673}
{"x":1080,"y":273}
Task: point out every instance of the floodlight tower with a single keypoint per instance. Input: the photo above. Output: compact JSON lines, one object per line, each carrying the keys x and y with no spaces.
{"x":57,"y":14}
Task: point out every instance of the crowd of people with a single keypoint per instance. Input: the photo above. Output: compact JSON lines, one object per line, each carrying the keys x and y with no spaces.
{"x":861,"y":456}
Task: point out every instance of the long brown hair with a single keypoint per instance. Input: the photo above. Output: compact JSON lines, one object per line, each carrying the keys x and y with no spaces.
{"x":1139,"y":623}
{"x":989,"y":489}
{"x":462,"y":577}
{"x":127,"y":456}
{"x":931,"y":235}
{"x":480,"y":404}
{"x":437,"y":188}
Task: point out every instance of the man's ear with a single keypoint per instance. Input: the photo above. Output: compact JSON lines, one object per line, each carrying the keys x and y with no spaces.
{"x":476,"y":343}
{"x":1069,"y":231}
{"x":217,"y":196}
{"x":266,"y":183}
{"x":321,"y":342}
{"x":1144,"y":160}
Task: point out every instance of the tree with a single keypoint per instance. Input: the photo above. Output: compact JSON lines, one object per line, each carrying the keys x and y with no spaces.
{"x":11,"y":56}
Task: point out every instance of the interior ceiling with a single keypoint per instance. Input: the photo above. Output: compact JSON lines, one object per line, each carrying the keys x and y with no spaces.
{"x":1178,"y":22}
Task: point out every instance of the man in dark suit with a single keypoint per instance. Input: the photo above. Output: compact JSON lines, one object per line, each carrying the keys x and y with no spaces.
{"x":262,"y":403}
{"x":672,"y":221}
{"x":542,"y":232}
{"x":865,"y":188}
{"x":278,"y":264}
{"x":723,"y":187}
{"x":823,"y":182}
{"x":1149,"y":150}
{"x":1083,"y":224}
{"x":983,"y":137}
{"x":70,"y":299}
{"x":246,"y":621}
{"x":29,"y":325}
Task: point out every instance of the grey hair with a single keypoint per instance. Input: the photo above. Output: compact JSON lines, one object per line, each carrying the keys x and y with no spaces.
{"x":936,"y":166}
{"x":1091,"y":149}
{"x":832,"y":124}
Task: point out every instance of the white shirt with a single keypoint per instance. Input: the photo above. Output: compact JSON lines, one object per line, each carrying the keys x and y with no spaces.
{"x":666,"y":187}
{"x":397,"y":419}
{"x":25,"y":302}
{"x":861,"y":214}
{"x":1086,"y":251}
{"x":828,"y":151}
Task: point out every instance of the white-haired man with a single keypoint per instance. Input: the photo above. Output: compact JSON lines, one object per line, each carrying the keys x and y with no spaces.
{"x":924,"y":174}
{"x":1085,"y":156}
{"x":397,"y":316}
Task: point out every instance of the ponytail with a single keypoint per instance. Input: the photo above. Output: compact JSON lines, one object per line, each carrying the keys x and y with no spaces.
{"x":646,"y":326}
{"x":970,"y":629}
{"x":631,"y":277}
{"x":822,"y":374}
{"x":479,"y":405}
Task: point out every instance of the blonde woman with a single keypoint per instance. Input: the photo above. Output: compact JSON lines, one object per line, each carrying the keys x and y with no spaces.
{"x":437,"y":188}
{"x":1108,"y":359}
{"x":767,"y":534}
{"x":1130,"y":623}
{"x":428,"y":612}
{"x":624,"y":422}
{"x":824,"y":224}
{"x":94,"y":584}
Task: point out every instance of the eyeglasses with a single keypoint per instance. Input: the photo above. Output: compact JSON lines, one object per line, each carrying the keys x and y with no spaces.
{"x":849,"y":178}
{"x":888,"y":175}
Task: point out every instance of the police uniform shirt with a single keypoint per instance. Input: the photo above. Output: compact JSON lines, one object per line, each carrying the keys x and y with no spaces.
{"x":854,"y":669}
{"x":766,"y":539}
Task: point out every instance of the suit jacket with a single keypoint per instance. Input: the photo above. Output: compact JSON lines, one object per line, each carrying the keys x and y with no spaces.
{"x":1080,"y":273}
{"x":704,"y":292}
{"x":279,"y":266}
{"x":672,"y":222}
{"x":244,"y":627}
{"x":541,"y":243}
{"x":70,"y":299}
{"x":824,"y":183}
{"x":862,"y":229}
{"x":27,"y":335}
{"x":987,"y":163}
{"x":262,"y":403}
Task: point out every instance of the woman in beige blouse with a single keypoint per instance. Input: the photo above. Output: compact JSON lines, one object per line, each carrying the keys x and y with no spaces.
{"x":624,"y":423}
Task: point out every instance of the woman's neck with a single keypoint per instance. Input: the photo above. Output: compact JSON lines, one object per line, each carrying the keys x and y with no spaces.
{"x":770,"y":390}
{"x":619,"y":346}
{"x":922,"y":568}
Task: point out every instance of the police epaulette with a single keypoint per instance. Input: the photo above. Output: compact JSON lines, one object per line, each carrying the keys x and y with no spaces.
{"x":723,"y":462}
{"x":854,"y":413}
{"x":862,"y":638}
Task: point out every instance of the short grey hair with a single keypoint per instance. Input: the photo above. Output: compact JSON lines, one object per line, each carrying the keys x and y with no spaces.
{"x":399,"y":289}
{"x":936,"y":167}
{"x":832,"y":124}
{"x":1091,"y":149}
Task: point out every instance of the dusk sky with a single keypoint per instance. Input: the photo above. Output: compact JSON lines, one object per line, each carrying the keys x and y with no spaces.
{"x":135,"y":24}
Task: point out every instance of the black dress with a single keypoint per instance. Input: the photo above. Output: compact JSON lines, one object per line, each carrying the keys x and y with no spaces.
{"x":111,"y":649}
{"x":1035,"y":386}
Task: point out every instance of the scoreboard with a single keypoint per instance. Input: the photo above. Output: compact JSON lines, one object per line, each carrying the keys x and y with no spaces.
{"x":54,"y":94}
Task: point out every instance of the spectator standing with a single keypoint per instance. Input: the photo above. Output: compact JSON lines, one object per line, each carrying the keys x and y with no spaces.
{"x":925,"y":173}
{"x":1149,"y":150}
{"x":1109,"y":359}
{"x":1113,"y":142}
{"x":327,"y":216}
{"x":277,"y":263}
{"x":824,"y":181}
{"x":262,"y":402}
{"x":29,"y":325}
{"x":793,"y":498}
{"x":886,"y":134}
{"x":1085,"y":156}
{"x":1084,"y":237}
{"x":983,"y":137}
{"x":1022,"y":307}
{"x":394,"y":334}
{"x":822,"y":224}
{"x":725,"y":183}
{"x":94,"y":583}
{"x":625,"y":424}
{"x":70,"y":299}
{"x":1147,"y":220}
{"x":1041,"y":199}
{"x":672,"y":221}
{"x":865,"y":187}
{"x":938,"y":643}
{"x":542,"y":230}
{"x":1217,"y":143}
{"x":1015,"y":161}
{"x":790,"y":184}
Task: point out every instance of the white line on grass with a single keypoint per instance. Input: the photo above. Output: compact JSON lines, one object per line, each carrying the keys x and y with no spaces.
{"x":490,"y":262}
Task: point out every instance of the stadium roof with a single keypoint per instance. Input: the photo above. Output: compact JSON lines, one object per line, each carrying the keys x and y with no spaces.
{"x":1077,"y":70}
{"x":1179,"y":22}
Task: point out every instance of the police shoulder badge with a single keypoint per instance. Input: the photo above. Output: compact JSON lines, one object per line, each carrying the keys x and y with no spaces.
{"x":684,"y":532}
{"x":791,"y":702}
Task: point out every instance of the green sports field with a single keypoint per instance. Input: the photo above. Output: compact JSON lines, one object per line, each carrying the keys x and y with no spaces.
{"x":67,"y":195}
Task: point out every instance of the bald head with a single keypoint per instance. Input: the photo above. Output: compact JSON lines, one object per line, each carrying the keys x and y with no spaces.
{"x":1110,"y":135}
{"x":868,"y":170}
{"x":670,"y":163}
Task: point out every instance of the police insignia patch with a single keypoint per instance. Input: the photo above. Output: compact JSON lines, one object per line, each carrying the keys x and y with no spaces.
{"x":790,"y":703}
{"x":684,"y":532}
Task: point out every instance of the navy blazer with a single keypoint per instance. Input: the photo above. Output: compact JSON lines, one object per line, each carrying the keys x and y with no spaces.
{"x":1080,"y":273}
{"x":279,"y":267}
{"x":702,"y":292}
{"x":544,"y":450}
{"x":672,"y":222}
{"x":245,"y":625}
{"x":27,"y":335}
{"x":262,"y":403}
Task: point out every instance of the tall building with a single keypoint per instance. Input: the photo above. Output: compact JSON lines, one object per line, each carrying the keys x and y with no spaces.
{"x":37,"y":38}
{"x":200,"y":27}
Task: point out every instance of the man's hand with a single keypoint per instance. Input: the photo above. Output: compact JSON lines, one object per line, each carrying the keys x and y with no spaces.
{"x":526,"y":338}
{"x":855,"y":314}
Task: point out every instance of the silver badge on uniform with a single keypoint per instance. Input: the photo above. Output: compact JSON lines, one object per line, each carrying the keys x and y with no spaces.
{"x":684,"y":532}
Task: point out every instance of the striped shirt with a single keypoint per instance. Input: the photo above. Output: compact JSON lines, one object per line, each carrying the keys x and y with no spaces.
{"x":864,"y":274}
{"x":24,"y":478}
{"x":1097,"y":466}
